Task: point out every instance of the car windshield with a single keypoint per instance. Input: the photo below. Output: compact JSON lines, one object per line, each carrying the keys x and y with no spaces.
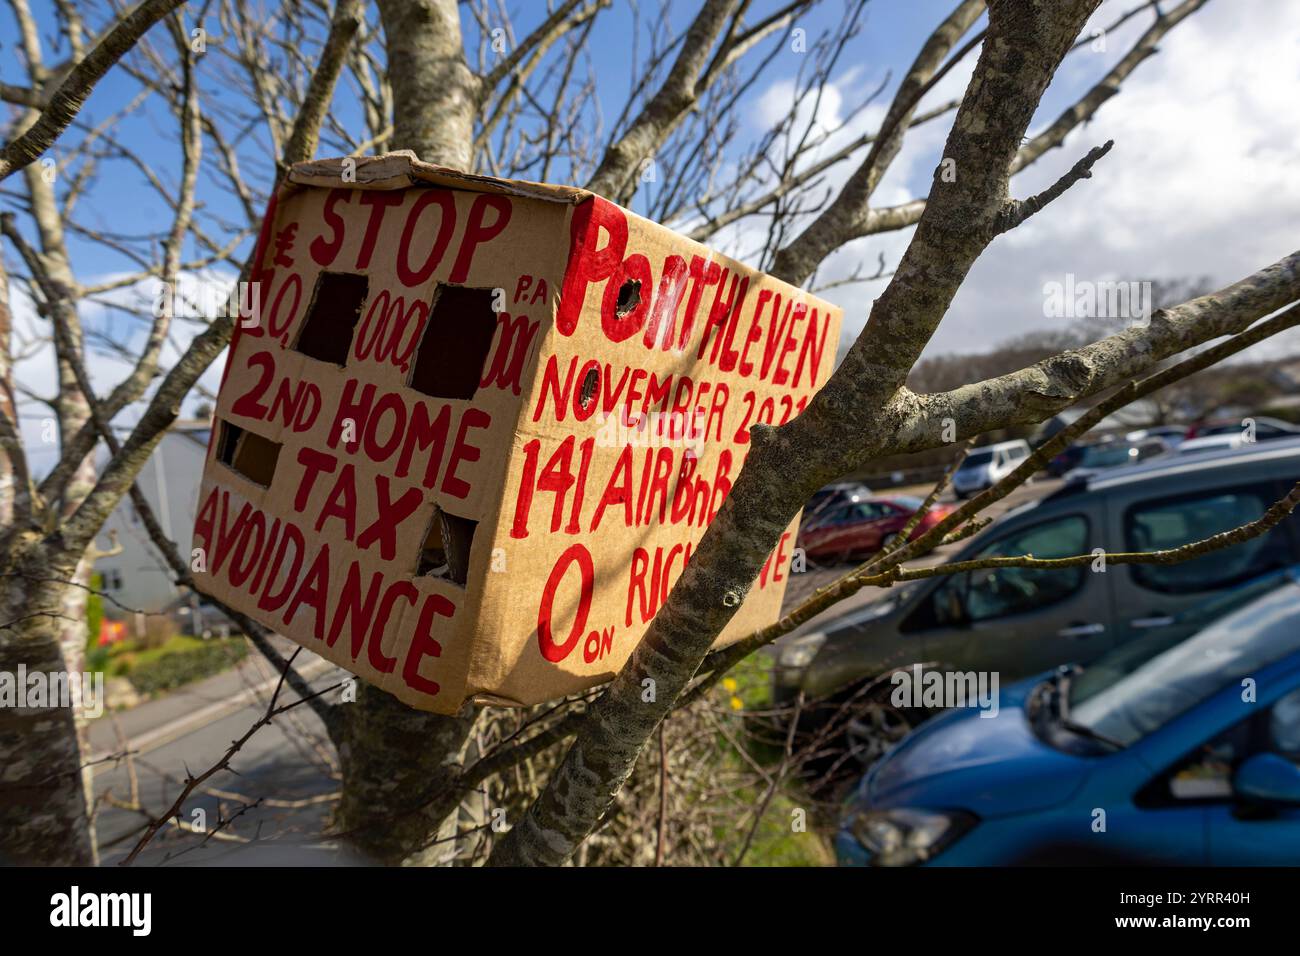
{"x":818,"y":499}
{"x":1106,"y":456}
{"x":1224,"y":428}
{"x":1137,"y":689}
{"x":977,"y":458}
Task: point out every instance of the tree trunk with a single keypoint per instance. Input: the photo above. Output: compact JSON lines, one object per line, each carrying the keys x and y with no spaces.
{"x":435,"y":93}
{"x":395,"y":758}
{"x":44,"y":792}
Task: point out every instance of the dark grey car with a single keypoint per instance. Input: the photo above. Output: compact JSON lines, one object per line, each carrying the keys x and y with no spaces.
{"x":1020,"y":621}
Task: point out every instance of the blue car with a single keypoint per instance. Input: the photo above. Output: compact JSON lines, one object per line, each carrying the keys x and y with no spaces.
{"x":1172,"y":750}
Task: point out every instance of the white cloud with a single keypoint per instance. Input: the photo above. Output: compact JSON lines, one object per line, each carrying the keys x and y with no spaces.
{"x":36,"y":373}
{"x":1201,"y":181}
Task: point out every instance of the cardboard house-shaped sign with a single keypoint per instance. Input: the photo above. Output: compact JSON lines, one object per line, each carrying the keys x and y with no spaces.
{"x":471,"y":429}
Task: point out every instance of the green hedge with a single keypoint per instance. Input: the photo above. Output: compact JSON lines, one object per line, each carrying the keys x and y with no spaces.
{"x":182,"y":665}
{"x":94,"y":611}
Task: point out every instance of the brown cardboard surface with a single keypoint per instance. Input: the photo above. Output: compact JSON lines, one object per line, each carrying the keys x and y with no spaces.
{"x":583,"y":453}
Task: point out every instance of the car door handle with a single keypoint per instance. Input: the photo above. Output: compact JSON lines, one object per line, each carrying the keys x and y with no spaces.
{"x":1155,"y":620}
{"x":1081,"y":630}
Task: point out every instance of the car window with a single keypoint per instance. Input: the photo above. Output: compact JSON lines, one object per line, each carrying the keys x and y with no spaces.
{"x":818,"y":500}
{"x":836,"y":515}
{"x":1128,"y":703}
{"x":1106,"y":456}
{"x":1284,"y":726}
{"x":998,"y":592}
{"x":1207,"y":773}
{"x":1170,"y":523}
{"x":977,"y":458}
{"x":858,"y":511}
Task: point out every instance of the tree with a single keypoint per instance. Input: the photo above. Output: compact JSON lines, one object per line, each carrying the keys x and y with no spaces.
{"x":521,"y":107}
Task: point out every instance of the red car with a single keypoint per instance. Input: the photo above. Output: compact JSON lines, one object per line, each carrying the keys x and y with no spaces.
{"x":864,"y":527}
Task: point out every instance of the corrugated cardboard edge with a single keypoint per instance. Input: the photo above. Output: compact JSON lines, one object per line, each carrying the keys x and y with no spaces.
{"x":398,"y":170}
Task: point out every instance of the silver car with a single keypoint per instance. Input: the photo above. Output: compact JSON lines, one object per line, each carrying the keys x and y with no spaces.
{"x":1020,"y":621}
{"x":985,"y":466}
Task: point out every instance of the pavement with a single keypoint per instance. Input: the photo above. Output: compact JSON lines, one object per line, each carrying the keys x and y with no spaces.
{"x":287,"y":764}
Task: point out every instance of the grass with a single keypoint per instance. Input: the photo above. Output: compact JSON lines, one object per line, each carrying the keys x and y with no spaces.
{"x":777,"y":840}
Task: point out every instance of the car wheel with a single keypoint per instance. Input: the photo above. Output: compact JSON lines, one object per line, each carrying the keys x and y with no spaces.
{"x":890,"y":542}
{"x":865,"y":731}
{"x":875,"y":729}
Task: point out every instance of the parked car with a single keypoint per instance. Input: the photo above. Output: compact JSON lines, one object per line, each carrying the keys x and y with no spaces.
{"x":1067,"y":460}
{"x":988,"y":464}
{"x":1173,"y":435}
{"x":1265,"y":428}
{"x":832,"y":496}
{"x":1154,"y":754}
{"x":1019,"y":621}
{"x":1116,"y":454}
{"x":1222,"y":442}
{"x":865,"y":526}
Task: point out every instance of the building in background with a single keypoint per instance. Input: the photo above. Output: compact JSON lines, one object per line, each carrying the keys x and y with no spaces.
{"x":137,"y":576}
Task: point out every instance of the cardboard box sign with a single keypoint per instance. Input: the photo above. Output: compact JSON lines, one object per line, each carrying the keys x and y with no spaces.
{"x":471,"y":429}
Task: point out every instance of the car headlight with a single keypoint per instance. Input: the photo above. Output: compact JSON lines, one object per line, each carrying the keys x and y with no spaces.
{"x":797,"y":654}
{"x":904,"y":837}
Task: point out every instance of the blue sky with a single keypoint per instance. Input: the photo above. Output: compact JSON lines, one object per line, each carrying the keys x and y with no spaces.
{"x":1201,"y":180}
{"x":876,"y":53}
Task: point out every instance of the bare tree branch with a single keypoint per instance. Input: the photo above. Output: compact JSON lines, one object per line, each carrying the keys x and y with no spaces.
{"x":67,"y":100}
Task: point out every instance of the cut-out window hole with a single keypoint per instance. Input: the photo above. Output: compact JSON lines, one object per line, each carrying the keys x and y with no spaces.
{"x":587,"y":395}
{"x":629,"y":296}
{"x":326,"y":332}
{"x":248,"y":453}
{"x":445,"y":552}
{"x":456,"y":342}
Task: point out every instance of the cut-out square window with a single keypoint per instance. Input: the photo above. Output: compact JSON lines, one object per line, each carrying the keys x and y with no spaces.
{"x":445,"y":552}
{"x":248,"y":453}
{"x":456,"y":342}
{"x":336,"y":302}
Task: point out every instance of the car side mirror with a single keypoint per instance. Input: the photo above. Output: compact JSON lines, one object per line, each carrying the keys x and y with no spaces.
{"x":1268,"y":778}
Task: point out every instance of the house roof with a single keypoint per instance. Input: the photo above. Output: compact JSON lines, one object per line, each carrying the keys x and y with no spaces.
{"x":401,"y":169}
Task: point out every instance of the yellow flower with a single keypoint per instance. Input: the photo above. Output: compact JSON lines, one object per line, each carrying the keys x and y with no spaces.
{"x":730,"y":684}
{"x":737,"y":703}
